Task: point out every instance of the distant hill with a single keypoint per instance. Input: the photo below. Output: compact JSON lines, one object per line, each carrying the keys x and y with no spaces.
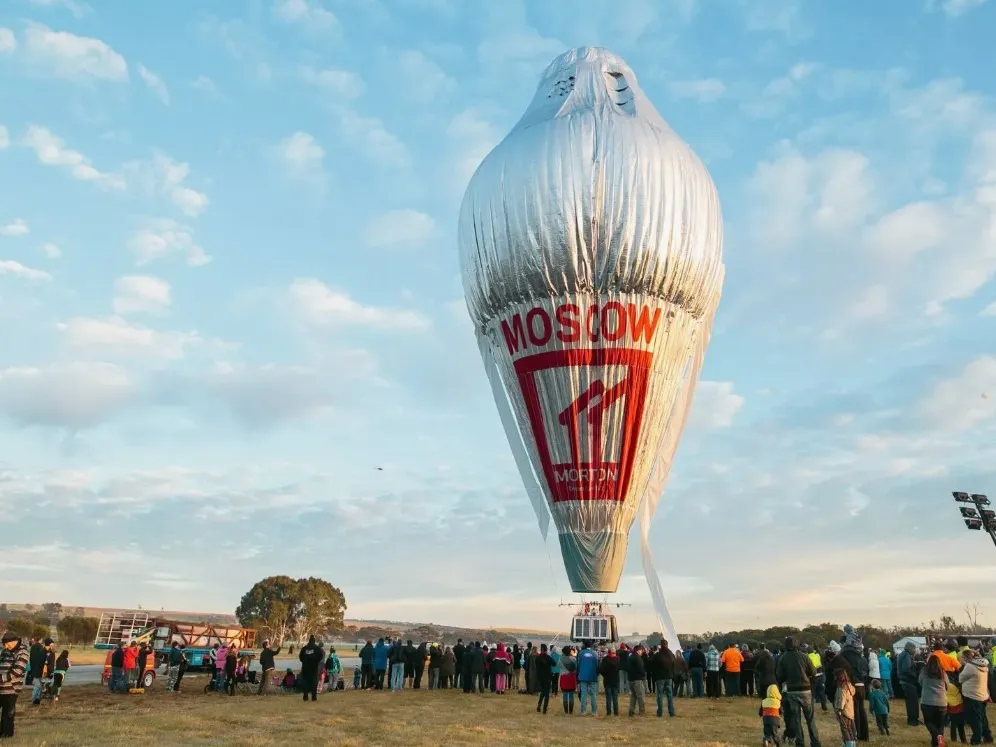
{"x":180,"y":615}
{"x":229,"y":619}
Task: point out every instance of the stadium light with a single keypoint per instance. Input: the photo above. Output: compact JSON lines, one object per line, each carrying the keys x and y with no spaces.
{"x":977,"y":518}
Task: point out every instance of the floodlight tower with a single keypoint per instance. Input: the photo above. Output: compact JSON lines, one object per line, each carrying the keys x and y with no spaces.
{"x":977,"y":518}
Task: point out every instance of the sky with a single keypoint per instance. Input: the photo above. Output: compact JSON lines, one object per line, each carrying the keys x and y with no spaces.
{"x":235,"y":343}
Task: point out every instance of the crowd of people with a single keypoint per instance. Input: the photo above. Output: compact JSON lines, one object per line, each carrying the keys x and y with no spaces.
{"x":944,"y":686}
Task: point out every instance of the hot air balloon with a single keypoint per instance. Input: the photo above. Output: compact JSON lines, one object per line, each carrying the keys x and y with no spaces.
{"x":590,"y":245}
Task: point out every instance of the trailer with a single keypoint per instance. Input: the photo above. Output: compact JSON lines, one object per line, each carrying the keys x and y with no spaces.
{"x":198,"y":638}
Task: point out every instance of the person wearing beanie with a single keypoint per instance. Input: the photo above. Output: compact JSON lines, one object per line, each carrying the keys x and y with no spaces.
{"x":13,"y":666}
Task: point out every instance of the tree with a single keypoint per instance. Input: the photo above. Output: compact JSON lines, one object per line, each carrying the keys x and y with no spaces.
{"x":974,"y":612}
{"x":52,"y":610}
{"x":281,"y":606}
{"x":20,"y":627}
{"x":322,"y":607}
{"x":77,"y":629}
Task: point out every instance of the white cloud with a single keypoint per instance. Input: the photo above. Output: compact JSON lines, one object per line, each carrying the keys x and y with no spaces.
{"x":4,"y":138}
{"x":61,"y":54}
{"x":51,"y":251}
{"x":141,"y":293}
{"x":400,"y":228}
{"x":52,"y":151}
{"x":166,"y":238}
{"x":830,"y":193}
{"x":77,"y":395}
{"x":190,"y":201}
{"x":473,"y":137}
{"x":955,"y":8}
{"x":302,"y":156}
{"x":78,"y":9}
{"x":715,"y":405}
{"x":780,"y":16}
{"x":166,"y":176}
{"x":203,"y":83}
{"x":775,"y":97}
{"x":8,"y":42}
{"x":421,"y":79}
{"x":319,"y":305}
{"x":16,"y":269}
{"x":379,"y":145}
{"x":155,"y":83}
{"x":307,"y":13}
{"x":117,"y":335}
{"x":346,"y":85}
{"x":16,"y":227}
{"x":965,"y":400}
{"x":705,"y":90}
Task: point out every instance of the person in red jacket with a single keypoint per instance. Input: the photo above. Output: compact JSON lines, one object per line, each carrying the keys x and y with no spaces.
{"x":131,"y":664}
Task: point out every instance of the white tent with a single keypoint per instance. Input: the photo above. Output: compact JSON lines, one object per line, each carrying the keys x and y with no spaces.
{"x":898,"y":646}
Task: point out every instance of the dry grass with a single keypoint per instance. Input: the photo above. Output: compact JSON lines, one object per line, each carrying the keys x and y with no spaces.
{"x":87,"y":715}
{"x":80,"y":656}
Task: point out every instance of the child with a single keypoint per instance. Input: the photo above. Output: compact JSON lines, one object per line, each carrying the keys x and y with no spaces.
{"x":770,"y":713}
{"x":357,"y":677}
{"x":879,"y":703}
{"x":956,"y":711}
{"x":62,"y":668}
{"x":568,"y":679}
{"x":289,"y":683}
{"x":843,"y":705}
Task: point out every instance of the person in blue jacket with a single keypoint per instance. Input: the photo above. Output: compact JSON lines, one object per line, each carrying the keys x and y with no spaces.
{"x":588,"y":678}
{"x":380,"y":664}
{"x":885,"y":672}
{"x":555,"y":684}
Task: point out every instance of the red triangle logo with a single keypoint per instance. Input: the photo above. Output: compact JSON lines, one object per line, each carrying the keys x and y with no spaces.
{"x":576,"y":461}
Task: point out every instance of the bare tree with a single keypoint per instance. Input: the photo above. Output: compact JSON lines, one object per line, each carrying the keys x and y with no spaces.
{"x":973,"y":611}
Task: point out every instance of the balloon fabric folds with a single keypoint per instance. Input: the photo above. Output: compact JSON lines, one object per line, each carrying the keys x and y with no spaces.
{"x":591,"y":252}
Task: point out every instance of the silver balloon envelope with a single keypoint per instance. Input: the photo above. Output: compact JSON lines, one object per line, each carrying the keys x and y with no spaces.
{"x":590,"y":246}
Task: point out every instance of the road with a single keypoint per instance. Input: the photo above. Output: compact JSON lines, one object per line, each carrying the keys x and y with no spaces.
{"x":89,"y":674}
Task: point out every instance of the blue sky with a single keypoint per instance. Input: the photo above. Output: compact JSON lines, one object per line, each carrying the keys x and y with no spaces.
{"x":229,"y":292}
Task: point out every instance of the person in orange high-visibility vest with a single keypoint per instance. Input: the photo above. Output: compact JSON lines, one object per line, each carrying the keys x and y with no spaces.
{"x":731,"y":660}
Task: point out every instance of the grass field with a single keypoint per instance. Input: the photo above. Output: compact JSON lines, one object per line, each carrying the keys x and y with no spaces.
{"x":87,"y":715}
{"x":84,"y":655}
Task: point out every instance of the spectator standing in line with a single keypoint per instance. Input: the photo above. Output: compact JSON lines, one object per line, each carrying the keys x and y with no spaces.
{"x":311,"y":657}
{"x":696,"y":669}
{"x":544,"y":673}
{"x":609,"y":669}
{"x":623,"y":656}
{"x":14,"y":661}
{"x":637,"y":682}
{"x":908,"y":674}
{"x":588,"y":678}
{"x":712,"y":672}
{"x":117,"y":681}
{"x":380,"y":663}
{"x":974,"y":682}
{"x":141,"y":661}
{"x":38,"y":659}
{"x":131,"y":666}
{"x":458,"y":651}
{"x":663,"y":666}
{"x":795,"y":672}
{"x":732,"y":661}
